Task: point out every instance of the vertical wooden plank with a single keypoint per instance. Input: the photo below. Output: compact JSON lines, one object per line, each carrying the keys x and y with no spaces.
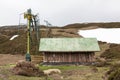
{"x":86,"y":57}
{"x":44,"y":56}
{"x":47,"y":56}
{"x":82,"y":58}
{"x":90,"y":57}
{"x":61,"y":57}
{"x":51,"y":57}
{"x":93,"y":57}
{"x":58,"y":57}
{"x":65,"y":57}
{"x":70,"y":57}
{"x":79,"y":58}
{"x":75,"y":57}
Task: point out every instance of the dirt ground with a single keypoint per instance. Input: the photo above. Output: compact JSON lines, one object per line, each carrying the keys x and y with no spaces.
{"x":80,"y":72}
{"x":6,"y":59}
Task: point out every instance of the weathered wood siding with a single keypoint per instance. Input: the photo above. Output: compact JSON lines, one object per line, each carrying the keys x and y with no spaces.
{"x":69,"y":57}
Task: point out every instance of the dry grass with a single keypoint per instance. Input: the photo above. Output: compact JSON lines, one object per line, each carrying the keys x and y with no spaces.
{"x":113,"y":52}
{"x":103,"y":47}
{"x":68,"y":73}
{"x":85,"y":74}
{"x":18,"y":45}
{"x":65,"y":33}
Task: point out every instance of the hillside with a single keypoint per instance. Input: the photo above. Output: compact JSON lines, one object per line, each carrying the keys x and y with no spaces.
{"x":108,"y":55}
{"x":100,"y":25}
{"x":18,"y":45}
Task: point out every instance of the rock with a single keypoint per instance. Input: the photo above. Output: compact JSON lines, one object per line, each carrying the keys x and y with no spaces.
{"x":51,"y":71}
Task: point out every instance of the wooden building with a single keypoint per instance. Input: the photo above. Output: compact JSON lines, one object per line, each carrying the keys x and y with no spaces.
{"x":68,"y":50}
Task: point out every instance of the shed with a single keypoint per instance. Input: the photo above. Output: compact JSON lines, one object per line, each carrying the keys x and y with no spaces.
{"x":68,"y":50}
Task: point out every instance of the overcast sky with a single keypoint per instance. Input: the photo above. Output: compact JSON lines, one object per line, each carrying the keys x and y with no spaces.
{"x":61,"y":12}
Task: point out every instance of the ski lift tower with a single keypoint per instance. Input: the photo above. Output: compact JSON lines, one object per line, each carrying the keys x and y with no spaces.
{"x":49,"y":28}
{"x":28,"y":16}
{"x":31,"y":26}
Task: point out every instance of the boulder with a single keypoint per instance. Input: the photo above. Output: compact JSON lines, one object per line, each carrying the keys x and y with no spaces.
{"x":52,"y":71}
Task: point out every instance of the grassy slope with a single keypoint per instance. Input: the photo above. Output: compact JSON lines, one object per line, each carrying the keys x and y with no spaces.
{"x":68,"y":73}
{"x":18,"y":45}
{"x":113,"y":52}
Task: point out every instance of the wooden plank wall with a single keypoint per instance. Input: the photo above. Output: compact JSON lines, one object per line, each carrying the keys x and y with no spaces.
{"x":36,"y":58}
{"x":81,"y":57}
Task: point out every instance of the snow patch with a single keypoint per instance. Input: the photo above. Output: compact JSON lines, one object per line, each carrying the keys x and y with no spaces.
{"x":102,"y":34}
{"x":13,"y":37}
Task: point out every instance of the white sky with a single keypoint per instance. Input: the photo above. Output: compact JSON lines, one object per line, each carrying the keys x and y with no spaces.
{"x":61,"y":12}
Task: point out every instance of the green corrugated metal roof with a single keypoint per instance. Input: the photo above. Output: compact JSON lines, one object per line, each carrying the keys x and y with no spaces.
{"x":68,"y":44}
